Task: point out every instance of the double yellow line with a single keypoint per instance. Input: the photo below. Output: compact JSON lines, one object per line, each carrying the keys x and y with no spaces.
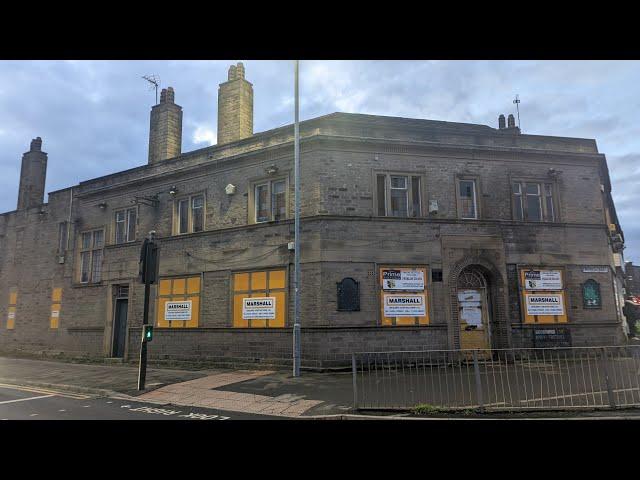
{"x":45,"y":391}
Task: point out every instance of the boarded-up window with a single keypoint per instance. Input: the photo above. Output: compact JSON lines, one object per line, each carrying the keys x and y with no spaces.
{"x":178,"y":304}
{"x":11,"y":314}
{"x":260,"y":299}
{"x":56,"y":303}
{"x":404,"y":297}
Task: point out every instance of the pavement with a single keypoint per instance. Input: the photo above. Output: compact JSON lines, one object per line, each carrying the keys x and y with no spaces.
{"x":260,"y":394}
{"x":38,"y":389}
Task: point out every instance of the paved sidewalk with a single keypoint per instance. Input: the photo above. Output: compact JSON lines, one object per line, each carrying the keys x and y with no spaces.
{"x":203,"y":392}
{"x":89,"y":378}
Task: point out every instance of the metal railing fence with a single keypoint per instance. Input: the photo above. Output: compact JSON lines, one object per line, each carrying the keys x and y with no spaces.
{"x":498,"y":379}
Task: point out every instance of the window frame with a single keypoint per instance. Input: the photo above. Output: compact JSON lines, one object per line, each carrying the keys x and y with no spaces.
{"x":476,"y":196}
{"x":268,"y":290}
{"x":541,"y":183}
{"x":190,"y":217}
{"x":127,"y":225}
{"x":409,"y":189}
{"x":252,"y":199}
{"x":91,"y":250}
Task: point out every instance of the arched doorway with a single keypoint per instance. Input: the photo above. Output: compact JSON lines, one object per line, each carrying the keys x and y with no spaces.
{"x":474,"y":309}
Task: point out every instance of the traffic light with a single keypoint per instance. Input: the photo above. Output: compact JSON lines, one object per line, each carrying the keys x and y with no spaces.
{"x":147,"y":333}
{"x":148,"y":261}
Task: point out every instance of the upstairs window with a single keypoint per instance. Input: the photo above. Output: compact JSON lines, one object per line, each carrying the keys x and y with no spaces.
{"x":270,"y":200}
{"x":91,"y":245}
{"x":467,"y":199}
{"x":62,"y":237}
{"x":398,"y":195}
{"x":189,"y":215}
{"x":533,"y":202}
{"x":125,"y":225}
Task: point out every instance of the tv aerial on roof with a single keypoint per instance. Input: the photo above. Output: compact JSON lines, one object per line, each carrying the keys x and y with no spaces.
{"x":154,"y":80}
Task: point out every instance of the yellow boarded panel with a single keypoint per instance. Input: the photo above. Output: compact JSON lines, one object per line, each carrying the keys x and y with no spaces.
{"x":241,"y":282}
{"x":546,"y":318}
{"x":179,"y":286}
{"x":56,"y":295}
{"x":281,"y":310}
{"x":389,"y":321}
{"x":237,"y":311}
{"x":405,"y":321}
{"x":542,"y":318}
{"x":13,"y":298}
{"x":195,"y":312}
{"x":473,"y":339}
{"x":193,"y":285}
{"x":160,"y":321}
{"x":11,"y":317}
{"x":258,"y":281}
{"x":164,"y":287}
{"x":277,"y":279}
{"x":54,"y":318}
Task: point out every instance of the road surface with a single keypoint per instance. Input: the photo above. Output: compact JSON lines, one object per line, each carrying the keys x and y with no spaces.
{"x":30,"y":403}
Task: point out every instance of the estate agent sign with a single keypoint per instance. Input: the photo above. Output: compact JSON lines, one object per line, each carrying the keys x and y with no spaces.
{"x":542,"y":280}
{"x":259,"y":308}
{"x":402,"y":279}
{"x":177,"y":310}
{"x":404,"y":306}
{"x":544,"y":304}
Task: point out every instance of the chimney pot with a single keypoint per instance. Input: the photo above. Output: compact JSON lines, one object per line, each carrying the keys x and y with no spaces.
{"x":36,"y":145}
{"x":501,"y":123}
{"x":511,"y":121}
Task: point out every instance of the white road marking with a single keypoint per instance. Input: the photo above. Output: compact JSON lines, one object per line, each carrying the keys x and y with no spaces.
{"x":33,"y":415}
{"x":63,"y":410}
{"x":25,"y":399}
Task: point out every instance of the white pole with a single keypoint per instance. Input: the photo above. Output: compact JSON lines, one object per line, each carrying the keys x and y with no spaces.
{"x":296,"y":278}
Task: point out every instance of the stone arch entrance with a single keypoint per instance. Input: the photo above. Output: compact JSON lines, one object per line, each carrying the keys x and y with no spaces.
{"x":478,"y":309}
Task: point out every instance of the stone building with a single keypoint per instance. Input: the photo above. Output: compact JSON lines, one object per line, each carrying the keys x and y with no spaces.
{"x":415,"y":234}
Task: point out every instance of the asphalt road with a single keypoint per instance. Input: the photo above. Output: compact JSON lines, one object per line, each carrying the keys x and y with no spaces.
{"x":27,"y":403}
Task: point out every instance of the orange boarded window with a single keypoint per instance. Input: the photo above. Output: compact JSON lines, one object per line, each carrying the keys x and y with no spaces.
{"x":178,"y":304}
{"x":260,"y":299}
{"x":404,"y":298}
{"x":56,"y":301}
{"x":11,"y":315}
{"x":543,"y":295}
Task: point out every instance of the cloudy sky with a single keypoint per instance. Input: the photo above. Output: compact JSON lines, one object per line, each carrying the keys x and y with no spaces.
{"x":93,"y":116}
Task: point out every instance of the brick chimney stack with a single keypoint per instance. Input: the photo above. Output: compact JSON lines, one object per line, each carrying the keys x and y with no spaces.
{"x":165,"y":131}
{"x":235,"y":107}
{"x":33,"y":174}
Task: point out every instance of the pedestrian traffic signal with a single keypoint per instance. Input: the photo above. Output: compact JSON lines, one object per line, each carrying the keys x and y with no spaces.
{"x":147,"y":333}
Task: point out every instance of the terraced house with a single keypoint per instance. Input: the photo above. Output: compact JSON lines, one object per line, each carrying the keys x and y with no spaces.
{"x":415,"y":234}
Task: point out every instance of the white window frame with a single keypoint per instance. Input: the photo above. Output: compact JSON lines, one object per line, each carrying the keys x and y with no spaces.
{"x":521,"y":197}
{"x":474,"y":182}
{"x":190,"y":217}
{"x":93,"y":267}
{"x":408,"y":176}
{"x":253,"y":199}
{"x":127,"y":225}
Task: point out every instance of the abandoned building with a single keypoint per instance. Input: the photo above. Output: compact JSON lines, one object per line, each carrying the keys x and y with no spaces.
{"x":415,"y":234}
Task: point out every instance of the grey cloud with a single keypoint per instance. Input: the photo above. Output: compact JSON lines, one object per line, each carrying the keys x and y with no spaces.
{"x":93,"y":116}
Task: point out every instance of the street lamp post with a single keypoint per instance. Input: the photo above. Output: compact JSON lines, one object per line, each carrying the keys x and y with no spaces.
{"x":296,"y":275}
